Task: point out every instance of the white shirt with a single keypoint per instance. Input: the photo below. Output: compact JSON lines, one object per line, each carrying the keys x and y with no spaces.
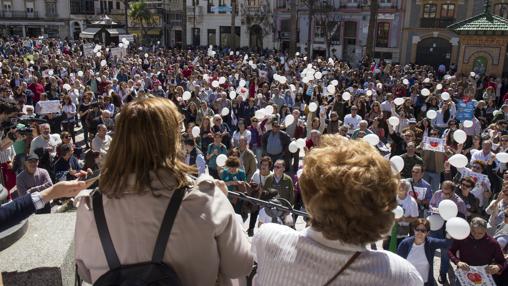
{"x":40,"y":142}
{"x":289,"y":257}
{"x":417,"y":257}
{"x":410,"y":207}
{"x":257,"y":177}
{"x":352,"y":122}
{"x":480,"y":156}
{"x":101,"y":145}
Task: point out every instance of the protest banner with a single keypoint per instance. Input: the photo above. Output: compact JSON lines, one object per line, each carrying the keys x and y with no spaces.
{"x":118,"y":52}
{"x":478,"y":176}
{"x":465,"y":110}
{"x":49,"y":106}
{"x":476,"y":276}
{"x":88,"y":49}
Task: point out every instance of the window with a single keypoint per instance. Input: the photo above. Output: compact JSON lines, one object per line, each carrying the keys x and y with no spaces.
{"x":253,"y":3}
{"x":224,"y":36}
{"x":501,"y":9}
{"x":335,"y":31}
{"x":448,"y":11}
{"x":196,"y":37}
{"x":212,"y":37}
{"x":281,"y":4}
{"x":29,"y":8}
{"x":350,"y":30}
{"x":118,"y":5}
{"x":429,"y":10}
{"x":7,"y":6}
{"x":51,"y":9}
{"x":382,"y":34}
{"x":320,"y":29}
{"x":209,"y":6}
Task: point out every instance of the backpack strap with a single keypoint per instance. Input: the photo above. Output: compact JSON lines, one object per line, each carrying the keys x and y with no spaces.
{"x":348,"y":263}
{"x":104,"y":235}
{"x":167,"y":224}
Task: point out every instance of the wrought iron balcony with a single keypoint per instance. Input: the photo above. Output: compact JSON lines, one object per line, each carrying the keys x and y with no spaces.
{"x":436,"y":22}
{"x":19,"y":14}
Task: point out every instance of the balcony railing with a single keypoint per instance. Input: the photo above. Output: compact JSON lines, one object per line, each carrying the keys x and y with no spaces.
{"x":19,"y":14}
{"x":436,"y":22}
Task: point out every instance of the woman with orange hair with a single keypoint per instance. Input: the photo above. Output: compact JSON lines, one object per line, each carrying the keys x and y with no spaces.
{"x":142,"y":172}
{"x":349,"y":191}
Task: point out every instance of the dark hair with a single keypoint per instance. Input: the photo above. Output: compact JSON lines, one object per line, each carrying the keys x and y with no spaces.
{"x":233,"y":162}
{"x":8,"y":105}
{"x":421,"y":221}
{"x":266,"y":159}
{"x":90,"y":157}
{"x":468,"y":179}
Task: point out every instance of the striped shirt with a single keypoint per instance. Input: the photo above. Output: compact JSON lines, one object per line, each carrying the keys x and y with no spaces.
{"x":289,"y":257}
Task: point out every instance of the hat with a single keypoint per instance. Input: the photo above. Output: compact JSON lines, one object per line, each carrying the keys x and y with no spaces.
{"x":32,"y":157}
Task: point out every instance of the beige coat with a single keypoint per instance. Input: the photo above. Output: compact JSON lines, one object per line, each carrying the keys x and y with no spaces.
{"x":206,"y":241}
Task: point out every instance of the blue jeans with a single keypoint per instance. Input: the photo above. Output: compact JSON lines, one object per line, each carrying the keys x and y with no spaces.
{"x":434,"y":179}
{"x":445,"y":260}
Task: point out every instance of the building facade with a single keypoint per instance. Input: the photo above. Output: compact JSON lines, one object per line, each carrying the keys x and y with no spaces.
{"x":209,"y":23}
{"x":339,"y":27}
{"x":35,"y":18}
{"x":425,"y":37}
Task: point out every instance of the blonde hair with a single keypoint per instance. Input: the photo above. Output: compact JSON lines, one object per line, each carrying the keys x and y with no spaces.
{"x":349,"y":190}
{"x":147,"y":138}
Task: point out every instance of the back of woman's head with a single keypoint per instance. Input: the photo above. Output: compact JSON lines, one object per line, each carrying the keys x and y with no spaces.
{"x":147,"y":138}
{"x":349,"y":190}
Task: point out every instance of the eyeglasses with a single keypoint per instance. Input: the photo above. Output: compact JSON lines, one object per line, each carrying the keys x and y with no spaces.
{"x":422,"y":230}
{"x":466,"y":185}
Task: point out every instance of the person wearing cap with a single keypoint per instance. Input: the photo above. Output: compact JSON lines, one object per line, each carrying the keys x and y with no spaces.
{"x":33,"y":178}
{"x":275,"y":142}
{"x":479,"y":249}
{"x":502,"y":114}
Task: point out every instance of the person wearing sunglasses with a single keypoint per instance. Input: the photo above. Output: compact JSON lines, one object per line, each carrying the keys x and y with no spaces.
{"x":465,"y":193}
{"x":420,"y":248}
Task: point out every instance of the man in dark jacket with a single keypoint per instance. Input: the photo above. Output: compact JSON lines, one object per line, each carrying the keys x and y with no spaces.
{"x":275,"y":143}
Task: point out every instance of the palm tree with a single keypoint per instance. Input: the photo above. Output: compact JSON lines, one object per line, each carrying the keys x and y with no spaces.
{"x":140,"y":13}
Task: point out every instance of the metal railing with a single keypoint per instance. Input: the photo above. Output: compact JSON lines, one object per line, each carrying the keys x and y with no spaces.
{"x":267,"y":204}
{"x":436,"y":22}
{"x":19,"y":14}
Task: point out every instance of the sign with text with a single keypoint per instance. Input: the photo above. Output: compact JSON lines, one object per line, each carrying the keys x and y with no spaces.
{"x":465,"y":110}
{"x":476,"y":276}
{"x":49,"y":106}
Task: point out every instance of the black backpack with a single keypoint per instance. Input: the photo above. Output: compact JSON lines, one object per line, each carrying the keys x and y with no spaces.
{"x":152,"y":273}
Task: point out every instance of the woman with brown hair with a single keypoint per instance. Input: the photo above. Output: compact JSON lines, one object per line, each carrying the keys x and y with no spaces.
{"x":349,"y":191}
{"x":140,"y":175}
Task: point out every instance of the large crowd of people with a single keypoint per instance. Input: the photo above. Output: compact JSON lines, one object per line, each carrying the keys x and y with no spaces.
{"x":275,"y":127}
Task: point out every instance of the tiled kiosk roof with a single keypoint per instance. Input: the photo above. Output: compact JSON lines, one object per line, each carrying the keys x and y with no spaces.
{"x":482,"y":24}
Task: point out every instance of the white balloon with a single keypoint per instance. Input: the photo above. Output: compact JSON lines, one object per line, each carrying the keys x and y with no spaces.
{"x":50,"y":72}
{"x":269,"y":109}
{"x":439,"y":86}
{"x":124,"y":40}
{"x":394,"y":121}
{"x":98,"y":54}
{"x":103,"y":63}
{"x":448,"y":209}
{"x":225,"y":111}
{"x":335,"y":82}
{"x":458,"y":161}
{"x":283,"y":79}
{"x":460,"y":136}
{"x":242,"y":83}
{"x":67,"y":87}
{"x":313,"y":107}
{"x":126,"y":43}
{"x":445,"y":96}
{"x":379,"y":85}
{"x":215,"y":84}
{"x":372,"y":139}
{"x":425,"y":92}
{"x":222,"y":80}
{"x":146,"y":55}
{"x":398,"y":212}
{"x":292,"y":87}
{"x":369,"y":92}
{"x":318,"y":75}
{"x":80,"y":73}
{"x":399,"y":101}
{"x":300,"y":143}
{"x":458,"y":228}
{"x":405,"y":81}
{"x":305,"y":80}
{"x":196,"y":131}
{"x":289,"y":120}
{"x":436,"y":222}
{"x":293,"y":147}
{"x":299,"y":173}
{"x":472,"y":74}
{"x":502,"y":157}
{"x":260,"y":114}
{"x":397,"y":163}
{"x":221,"y":160}
{"x":431,"y":114}
{"x":426,"y":80}
{"x":232,"y":94}
{"x":331,"y":89}
{"x":467,"y":123}
{"x":186,"y":95}
{"x":346,"y":96}
{"x":120,"y":45}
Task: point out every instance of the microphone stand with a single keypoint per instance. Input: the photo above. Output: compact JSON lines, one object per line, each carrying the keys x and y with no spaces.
{"x":262,"y":203}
